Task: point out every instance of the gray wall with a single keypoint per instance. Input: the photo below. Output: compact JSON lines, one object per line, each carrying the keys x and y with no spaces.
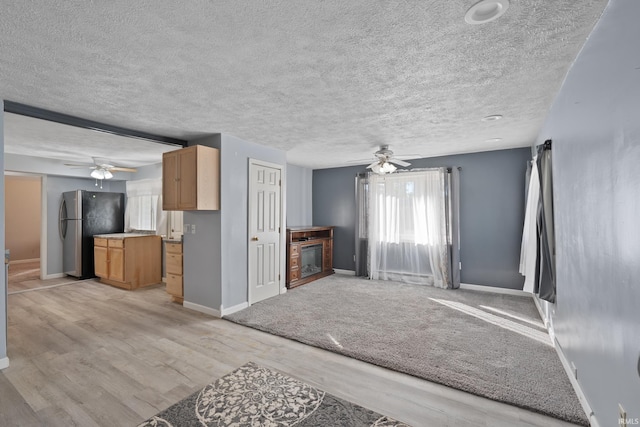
{"x":596,"y":177}
{"x":202,"y":257}
{"x":234,"y":192}
{"x":491,"y":212}
{"x":147,"y":172}
{"x":299,"y":196}
{"x":3,"y":284}
{"x":215,"y":258}
{"x":54,"y":186}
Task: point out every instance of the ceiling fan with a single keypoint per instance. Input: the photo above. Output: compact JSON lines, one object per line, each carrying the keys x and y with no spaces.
{"x":385,"y":161}
{"x":101,"y":170}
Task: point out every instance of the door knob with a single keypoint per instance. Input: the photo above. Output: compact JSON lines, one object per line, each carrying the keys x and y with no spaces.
{"x":254,"y":239}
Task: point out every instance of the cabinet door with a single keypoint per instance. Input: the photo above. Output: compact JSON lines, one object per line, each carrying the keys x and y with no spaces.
{"x":100,"y":261}
{"x":170,"y":181}
{"x":174,"y":285}
{"x":116,"y":264}
{"x":187,"y":179}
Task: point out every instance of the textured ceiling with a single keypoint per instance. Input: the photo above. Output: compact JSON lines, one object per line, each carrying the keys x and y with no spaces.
{"x":326,"y":81}
{"x":40,"y":138}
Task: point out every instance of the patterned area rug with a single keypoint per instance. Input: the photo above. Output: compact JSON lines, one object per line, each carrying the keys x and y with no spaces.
{"x":256,"y":396}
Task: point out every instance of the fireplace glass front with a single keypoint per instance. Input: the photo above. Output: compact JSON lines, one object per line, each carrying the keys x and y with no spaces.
{"x":311,"y":257}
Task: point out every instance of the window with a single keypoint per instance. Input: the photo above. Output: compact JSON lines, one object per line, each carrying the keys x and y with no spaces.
{"x":142,"y":212}
{"x":144,"y":206}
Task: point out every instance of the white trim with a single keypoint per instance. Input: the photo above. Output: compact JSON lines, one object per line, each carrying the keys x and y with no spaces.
{"x":576,"y":385}
{"x":54,"y":276}
{"x":543,"y":315}
{"x":233,"y":309}
{"x":23,"y":261}
{"x":202,"y":309}
{"x":43,"y":227}
{"x":495,"y":290}
{"x":282,"y":225}
{"x":345,"y":272}
{"x":566,"y":364}
{"x":4,"y":363}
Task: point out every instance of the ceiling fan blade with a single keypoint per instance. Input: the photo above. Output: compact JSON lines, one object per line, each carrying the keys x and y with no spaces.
{"x":399,"y":162}
{"x":373,"y":164}
{"x":77,"y":165}
{"x":119,"y":169}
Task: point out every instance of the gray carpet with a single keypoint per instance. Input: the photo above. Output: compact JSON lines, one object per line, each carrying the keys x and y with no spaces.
{"x":487,"y":344}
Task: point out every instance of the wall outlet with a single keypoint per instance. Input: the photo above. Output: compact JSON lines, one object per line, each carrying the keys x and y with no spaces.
{"x":187,"y":228}
{"x":193,"y":229}
{"x":622,"y":421}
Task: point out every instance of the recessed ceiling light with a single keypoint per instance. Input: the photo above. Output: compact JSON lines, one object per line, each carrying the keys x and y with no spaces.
{"x":492,"y":118}
{"x":493,"y":140}
{"x":486,"y":11}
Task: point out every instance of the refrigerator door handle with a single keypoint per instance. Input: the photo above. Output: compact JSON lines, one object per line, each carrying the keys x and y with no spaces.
{"x":62,"y":219}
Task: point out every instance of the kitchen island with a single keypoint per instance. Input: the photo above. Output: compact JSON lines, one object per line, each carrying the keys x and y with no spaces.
{"x":128,"y":260}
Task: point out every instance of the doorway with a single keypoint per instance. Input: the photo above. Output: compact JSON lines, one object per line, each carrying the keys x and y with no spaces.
{"x":23,"y":229}
{"x":265,"y":230}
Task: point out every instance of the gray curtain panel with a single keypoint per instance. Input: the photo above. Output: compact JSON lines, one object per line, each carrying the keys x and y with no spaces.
{"x":546,"y":263}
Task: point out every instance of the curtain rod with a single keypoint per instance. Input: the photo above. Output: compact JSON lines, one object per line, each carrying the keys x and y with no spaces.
{"x":449,"y":169}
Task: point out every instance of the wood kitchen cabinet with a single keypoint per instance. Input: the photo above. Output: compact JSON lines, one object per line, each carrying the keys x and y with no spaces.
{"x":173,"y":265}
{"x":128,"y":260}
{"x":191,"y":179}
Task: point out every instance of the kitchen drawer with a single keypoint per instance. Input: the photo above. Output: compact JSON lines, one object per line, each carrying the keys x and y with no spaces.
{"x":100,"y":242}
{"x":174,"y":263}
{"x":174,"y":248}
{"x":116,"y":243}
{"x":174,"y":284}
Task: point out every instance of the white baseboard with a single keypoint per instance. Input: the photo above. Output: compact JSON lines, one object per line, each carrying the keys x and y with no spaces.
{"x":4,"y":363}
{"x":495,"y":290}
{"x":23,"y":261}
{"x":566,"y":365}
{"x":233,"y":309}
{"x":202,"y":309}
{"x":576,"y":385}
{"x":54,"y":276}
{"x":347,"y":272}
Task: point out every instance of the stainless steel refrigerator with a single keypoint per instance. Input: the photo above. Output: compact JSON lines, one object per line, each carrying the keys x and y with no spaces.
{"x":82,"y":215}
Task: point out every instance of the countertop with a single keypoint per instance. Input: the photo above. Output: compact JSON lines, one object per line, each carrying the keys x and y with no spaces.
{"x":122,"y":235}
{"x":172,"y":240}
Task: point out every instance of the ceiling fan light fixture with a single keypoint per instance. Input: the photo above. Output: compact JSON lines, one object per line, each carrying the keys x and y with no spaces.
{"x":108,"y":174}
{"x":486,"y":11}
{"x":383,"y":168}
{"x":97,"y":174}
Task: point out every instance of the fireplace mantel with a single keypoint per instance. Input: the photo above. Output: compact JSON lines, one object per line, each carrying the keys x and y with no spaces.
{"x":305,"y":260}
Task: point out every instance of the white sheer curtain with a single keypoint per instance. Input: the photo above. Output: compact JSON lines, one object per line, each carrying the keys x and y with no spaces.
{"x":529,"y":248}
{"x":408,"y":228}
{"x":144,"y":207}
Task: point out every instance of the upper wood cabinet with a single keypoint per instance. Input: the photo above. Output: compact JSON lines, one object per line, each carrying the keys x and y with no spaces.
{"x":191,"y":179}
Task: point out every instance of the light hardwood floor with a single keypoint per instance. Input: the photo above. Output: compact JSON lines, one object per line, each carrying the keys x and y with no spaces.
{"x":88,"y":354}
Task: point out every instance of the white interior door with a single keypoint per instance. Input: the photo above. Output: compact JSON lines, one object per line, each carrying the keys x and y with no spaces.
{"x":265,"y":226}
